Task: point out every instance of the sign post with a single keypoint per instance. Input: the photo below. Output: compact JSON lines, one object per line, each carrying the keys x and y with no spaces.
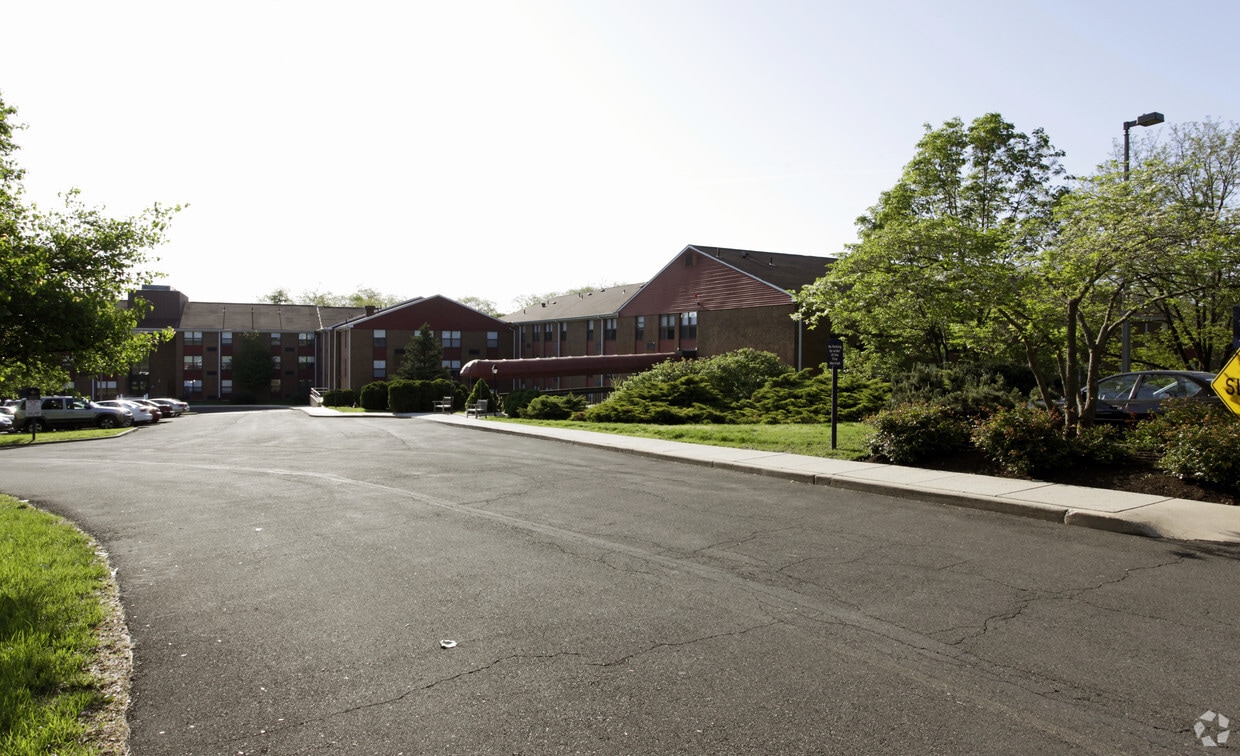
{"x":34,"y":411}
{"x":1227,"y":384}
{"x":835,"y":361}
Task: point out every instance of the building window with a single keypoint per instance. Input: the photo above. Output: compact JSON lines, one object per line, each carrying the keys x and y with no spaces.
{"x":275,"y":361}
{"x":226,"y":386}
{"x":609,"y":329}
{"x":450,"y":339}
{"x":547,"y":332}
{"x":105,"y":387}
{"x":275,"y":339}
{"x":492,"y":339}
{"x":536,"y":333}
{"x":225,"y":337}
{"x":193,"y":338}
{"x":380,"y":369}
{"x":667,"y":327}
{"x":688,"y":325}
{"x":193,"y":362}
{"x":193,"y":387}
{"x":275,"y":386}
{"x":453,"y":367}
{"x":563,"y":331}
{"x":225,"y":362}
{"x":305,"y":362}
{"x":380,"y":336}
{"x":305,"y":338}
{"x":589,"y":331}
{"x":640,"y":332}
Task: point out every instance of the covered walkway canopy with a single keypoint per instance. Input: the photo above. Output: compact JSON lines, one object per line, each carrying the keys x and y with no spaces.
{"x":561,"y":367}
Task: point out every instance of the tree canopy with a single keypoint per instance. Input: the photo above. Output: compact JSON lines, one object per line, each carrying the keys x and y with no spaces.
{"x":985,"y":251}
{"x":361,"y":298}
{"x":63,"y":275}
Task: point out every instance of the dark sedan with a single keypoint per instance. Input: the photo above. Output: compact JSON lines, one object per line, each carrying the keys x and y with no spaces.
{"x":1135,"y":396}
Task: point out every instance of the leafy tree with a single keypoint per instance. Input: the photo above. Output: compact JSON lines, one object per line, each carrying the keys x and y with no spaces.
{"x":530,"y":300}
{"x":423,"y":357}
{"x":361,"y":298}
{"x":252,"y":367}
{"x":1197,"y":167}
{"x":62,"y":273}
{"x":485,"y":306}
{"x":942,"y":265}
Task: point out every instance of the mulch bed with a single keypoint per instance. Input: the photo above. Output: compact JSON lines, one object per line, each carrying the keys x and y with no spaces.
{"x":1139,"y":476}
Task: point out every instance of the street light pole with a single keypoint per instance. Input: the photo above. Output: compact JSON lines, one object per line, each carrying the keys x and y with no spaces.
{"x":1125,"y":357}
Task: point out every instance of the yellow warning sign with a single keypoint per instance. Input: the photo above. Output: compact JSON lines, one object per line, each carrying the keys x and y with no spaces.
{"x":1227,"y":384}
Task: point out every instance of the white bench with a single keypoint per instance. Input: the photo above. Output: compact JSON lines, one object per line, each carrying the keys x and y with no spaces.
{"x":443,"y":405}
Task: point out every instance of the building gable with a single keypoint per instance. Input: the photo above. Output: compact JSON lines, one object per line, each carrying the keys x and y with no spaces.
{"x":713,"y":278}
{"x":439,"y":311}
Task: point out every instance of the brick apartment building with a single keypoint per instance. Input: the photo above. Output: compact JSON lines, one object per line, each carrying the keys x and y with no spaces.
{"x":704,"y":302}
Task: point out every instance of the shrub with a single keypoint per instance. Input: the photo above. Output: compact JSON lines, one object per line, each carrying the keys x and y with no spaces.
{"x":554,"y":407}
{"x":404,"y":395}
{"x":1153,"y":436}
{"x":441,"y":387}
{"x":688,"y":399}
{"x":1208,"y":452}
{"x":803,"y":397}
{"x":972,"y":391}
{"x":481,"y":391}
{"x":374,"y":396}
{"x":1023,"y":440}
{"x":735,"y":376}
{"x":345,"y":398}
{"x":913,"y":432}
{"x":1100,"y":445}
{"x":517,"y":400}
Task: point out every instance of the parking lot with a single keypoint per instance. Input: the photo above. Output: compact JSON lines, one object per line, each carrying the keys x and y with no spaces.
{"x":289,"y":582}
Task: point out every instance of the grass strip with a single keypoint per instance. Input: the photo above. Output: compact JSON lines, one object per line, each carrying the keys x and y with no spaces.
{"x":811,"y":440}
{"x":51,"y":581}
{"x":51,"y":437}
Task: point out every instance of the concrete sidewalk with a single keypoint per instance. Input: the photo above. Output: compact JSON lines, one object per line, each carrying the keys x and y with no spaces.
{"x":1118,"y":511}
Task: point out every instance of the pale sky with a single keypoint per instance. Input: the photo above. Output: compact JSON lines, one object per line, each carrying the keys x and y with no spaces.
{"x":501,"y":149}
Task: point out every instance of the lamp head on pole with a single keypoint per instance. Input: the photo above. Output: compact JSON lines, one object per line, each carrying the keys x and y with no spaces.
{"x":1149,"y":119}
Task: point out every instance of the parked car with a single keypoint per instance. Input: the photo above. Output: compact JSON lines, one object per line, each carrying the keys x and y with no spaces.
{"x":73,"y":412}
{"x":159,"y":412}
{"x":141,"y":415}
{"x":1136,"y":396}
{"x":6,"y":418}
{"x":177,"y":406}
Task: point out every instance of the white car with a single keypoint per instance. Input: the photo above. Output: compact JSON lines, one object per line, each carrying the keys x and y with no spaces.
{"x":176,"y":405}
{"x":141,"y":416}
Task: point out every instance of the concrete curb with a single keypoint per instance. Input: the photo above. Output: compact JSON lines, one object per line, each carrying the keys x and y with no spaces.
{"x":1097,"y":508}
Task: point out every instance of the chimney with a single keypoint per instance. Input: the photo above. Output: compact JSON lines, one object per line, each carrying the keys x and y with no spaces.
{"x":370,"y":310}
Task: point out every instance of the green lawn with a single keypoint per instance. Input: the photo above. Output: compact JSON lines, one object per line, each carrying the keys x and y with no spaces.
{"x":812,"y":440}
{"x":50,"y":437}
{"x":51,"y":589}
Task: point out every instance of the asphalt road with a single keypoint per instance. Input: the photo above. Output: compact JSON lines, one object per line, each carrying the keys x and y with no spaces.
{"x":288,"y":581}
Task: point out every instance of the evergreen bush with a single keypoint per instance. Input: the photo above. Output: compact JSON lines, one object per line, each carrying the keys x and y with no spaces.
{"x":518,"y":399}
{"x":554,"y":407}
{"x":481,"y":391}
{"x":374,"y":396}
{"x":971,"y":391}
{"x":404,"y":395}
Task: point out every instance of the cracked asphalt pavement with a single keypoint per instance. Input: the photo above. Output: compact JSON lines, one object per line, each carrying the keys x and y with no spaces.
{"x":288,"y":582}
